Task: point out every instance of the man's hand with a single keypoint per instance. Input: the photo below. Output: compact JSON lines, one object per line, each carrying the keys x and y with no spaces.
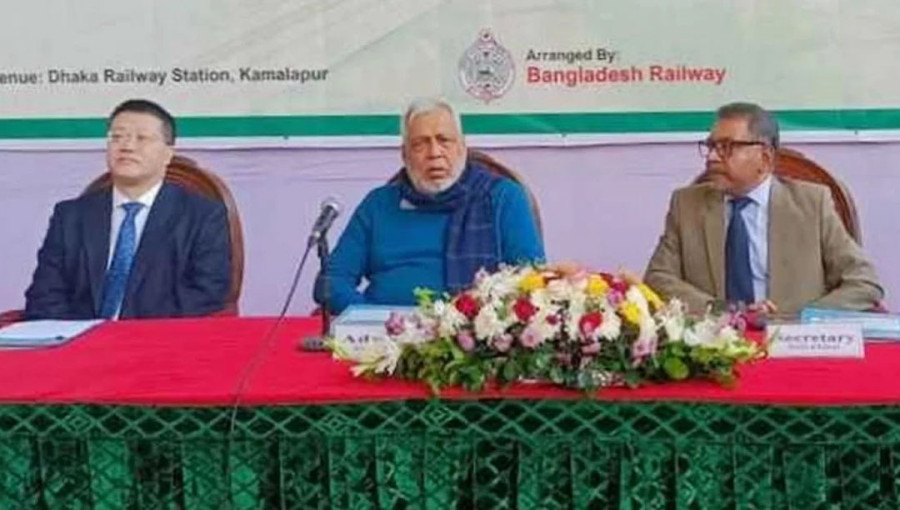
{"x":758,"y":314}
{"x":765,"y":307}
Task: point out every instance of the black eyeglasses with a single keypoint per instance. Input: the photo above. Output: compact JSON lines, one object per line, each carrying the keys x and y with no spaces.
{"x":724,"y":147}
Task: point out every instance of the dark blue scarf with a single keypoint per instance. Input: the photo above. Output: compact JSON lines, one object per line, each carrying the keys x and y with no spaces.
{"x":470,"y":241}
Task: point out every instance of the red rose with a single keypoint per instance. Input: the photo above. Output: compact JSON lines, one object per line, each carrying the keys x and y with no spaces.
{"x":552,"y":320}
{"x":589,"y":322}
{"x":615,"y":283}
{"x":524,"y":310}
{"x":468,"y":306}
{"x":620,"y":286}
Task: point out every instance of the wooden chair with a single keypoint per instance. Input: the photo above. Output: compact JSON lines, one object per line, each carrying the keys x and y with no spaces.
{"x":187,"y":173}
{"x":500,"y":169}
{"x":10,"y":316}
{"x":794,"y":165}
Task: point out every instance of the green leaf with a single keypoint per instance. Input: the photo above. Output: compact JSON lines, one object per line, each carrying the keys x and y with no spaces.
{"x":424,"y":296}
{"x":676,"y":348}
{"x":537,"y":363}
{"x":456,"y":352}
{"x":632,"y":379}
{"x":676,"y":368}
{"x":585,"y":381}
{"x":702,"y":355}
{"x":476,"y":383}
{"x":509,"y":372}
{"x":557,"y":375}
{"x":726,"y":378}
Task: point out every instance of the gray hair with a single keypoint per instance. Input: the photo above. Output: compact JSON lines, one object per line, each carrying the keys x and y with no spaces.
{"x":760,"y":122}
{"x":427,"y":105}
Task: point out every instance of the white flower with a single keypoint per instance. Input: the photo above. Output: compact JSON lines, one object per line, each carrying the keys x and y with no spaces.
{"x":611,"y":327}
{"x":377,"y":357}
{"x":579,"y":281}
{"x":713,"y":332}
{"x":541,"y":300}
{"x":634,"y":295}
{"x":439,"y":308}
{"x":672,"y":320}
{"x":647,"y":331}
{"x":492,"y":287}
{"x":488,"y":324}
{"x":560,"y":290}
{"x":702,"y":333}
{"x":727,"y":338}
{"x":539,"y":320}
{"x":449,"y":319}
{"x":674,"y":327}
{"x":676,"y":307}
{"x":576,"y":311}
{"x":480,"y":276}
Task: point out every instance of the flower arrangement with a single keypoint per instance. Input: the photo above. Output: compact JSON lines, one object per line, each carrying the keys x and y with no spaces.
{"x":574,"y":328}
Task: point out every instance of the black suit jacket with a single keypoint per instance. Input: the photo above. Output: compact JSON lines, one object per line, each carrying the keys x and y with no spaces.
{"x":182,"y":266}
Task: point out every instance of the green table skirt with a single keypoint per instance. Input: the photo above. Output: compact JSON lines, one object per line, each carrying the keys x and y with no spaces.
{"x":451,"y":454}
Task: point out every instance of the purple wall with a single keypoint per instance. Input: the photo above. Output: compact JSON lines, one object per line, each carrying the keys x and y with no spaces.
{"x":602,"y":206}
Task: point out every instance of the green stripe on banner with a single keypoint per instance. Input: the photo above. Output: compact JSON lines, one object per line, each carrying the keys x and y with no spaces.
{"x":381,"y":125}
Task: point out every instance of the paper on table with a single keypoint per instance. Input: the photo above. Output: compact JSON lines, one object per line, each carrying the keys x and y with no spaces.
{"x":43,"y":333}
{"x":881,"y":326}
{"x":370,"y":313}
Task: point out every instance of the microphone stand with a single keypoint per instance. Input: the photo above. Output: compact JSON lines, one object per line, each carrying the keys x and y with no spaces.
{"x":324,"y":256}
{"x":317,"y":343}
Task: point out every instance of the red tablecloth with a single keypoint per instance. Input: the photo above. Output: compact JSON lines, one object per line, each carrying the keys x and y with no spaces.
{"x":203,"y":361}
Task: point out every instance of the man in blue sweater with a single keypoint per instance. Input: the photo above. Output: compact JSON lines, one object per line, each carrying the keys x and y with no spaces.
{"x":435,"y":225}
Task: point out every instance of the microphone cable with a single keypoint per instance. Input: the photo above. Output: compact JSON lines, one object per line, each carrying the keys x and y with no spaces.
{"x":250,"y":369}
{"x":328,"y":211}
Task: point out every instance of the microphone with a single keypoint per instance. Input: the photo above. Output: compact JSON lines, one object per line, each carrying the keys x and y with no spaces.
{"x":330,"y":209}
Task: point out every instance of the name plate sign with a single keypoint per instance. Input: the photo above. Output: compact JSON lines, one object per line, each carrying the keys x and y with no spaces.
{"x":815,"y":340}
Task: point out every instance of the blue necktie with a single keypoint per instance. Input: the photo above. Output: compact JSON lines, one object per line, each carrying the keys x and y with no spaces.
{"x":738,"y":277}
{"x":117,"y":275}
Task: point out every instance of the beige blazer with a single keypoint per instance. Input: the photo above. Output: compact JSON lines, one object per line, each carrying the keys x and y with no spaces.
{"x":812,"y":258}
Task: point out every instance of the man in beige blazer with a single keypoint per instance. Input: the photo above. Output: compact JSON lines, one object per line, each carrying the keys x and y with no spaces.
{"x":792,"y":246}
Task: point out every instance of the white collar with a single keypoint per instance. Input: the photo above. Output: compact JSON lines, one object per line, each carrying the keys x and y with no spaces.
{"x":760,"y":194}
{"x":147,"y":198}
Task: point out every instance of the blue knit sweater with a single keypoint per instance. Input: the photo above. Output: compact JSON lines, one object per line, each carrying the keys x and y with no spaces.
{"x":396,"y":248}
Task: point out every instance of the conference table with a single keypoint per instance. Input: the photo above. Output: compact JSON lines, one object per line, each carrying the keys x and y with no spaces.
{"x":230,"y":413}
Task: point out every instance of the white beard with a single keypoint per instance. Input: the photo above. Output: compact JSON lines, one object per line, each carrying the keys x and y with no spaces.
{"x":430,"y":187}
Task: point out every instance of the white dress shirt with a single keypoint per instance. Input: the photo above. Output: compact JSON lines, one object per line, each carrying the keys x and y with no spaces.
{"x":756,"y":217}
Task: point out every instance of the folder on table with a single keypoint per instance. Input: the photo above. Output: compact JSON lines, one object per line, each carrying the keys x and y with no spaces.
{"x":43,"y":333}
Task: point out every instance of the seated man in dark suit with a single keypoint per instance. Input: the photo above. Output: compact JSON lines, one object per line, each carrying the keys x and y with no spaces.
{"x":142,"y":248}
